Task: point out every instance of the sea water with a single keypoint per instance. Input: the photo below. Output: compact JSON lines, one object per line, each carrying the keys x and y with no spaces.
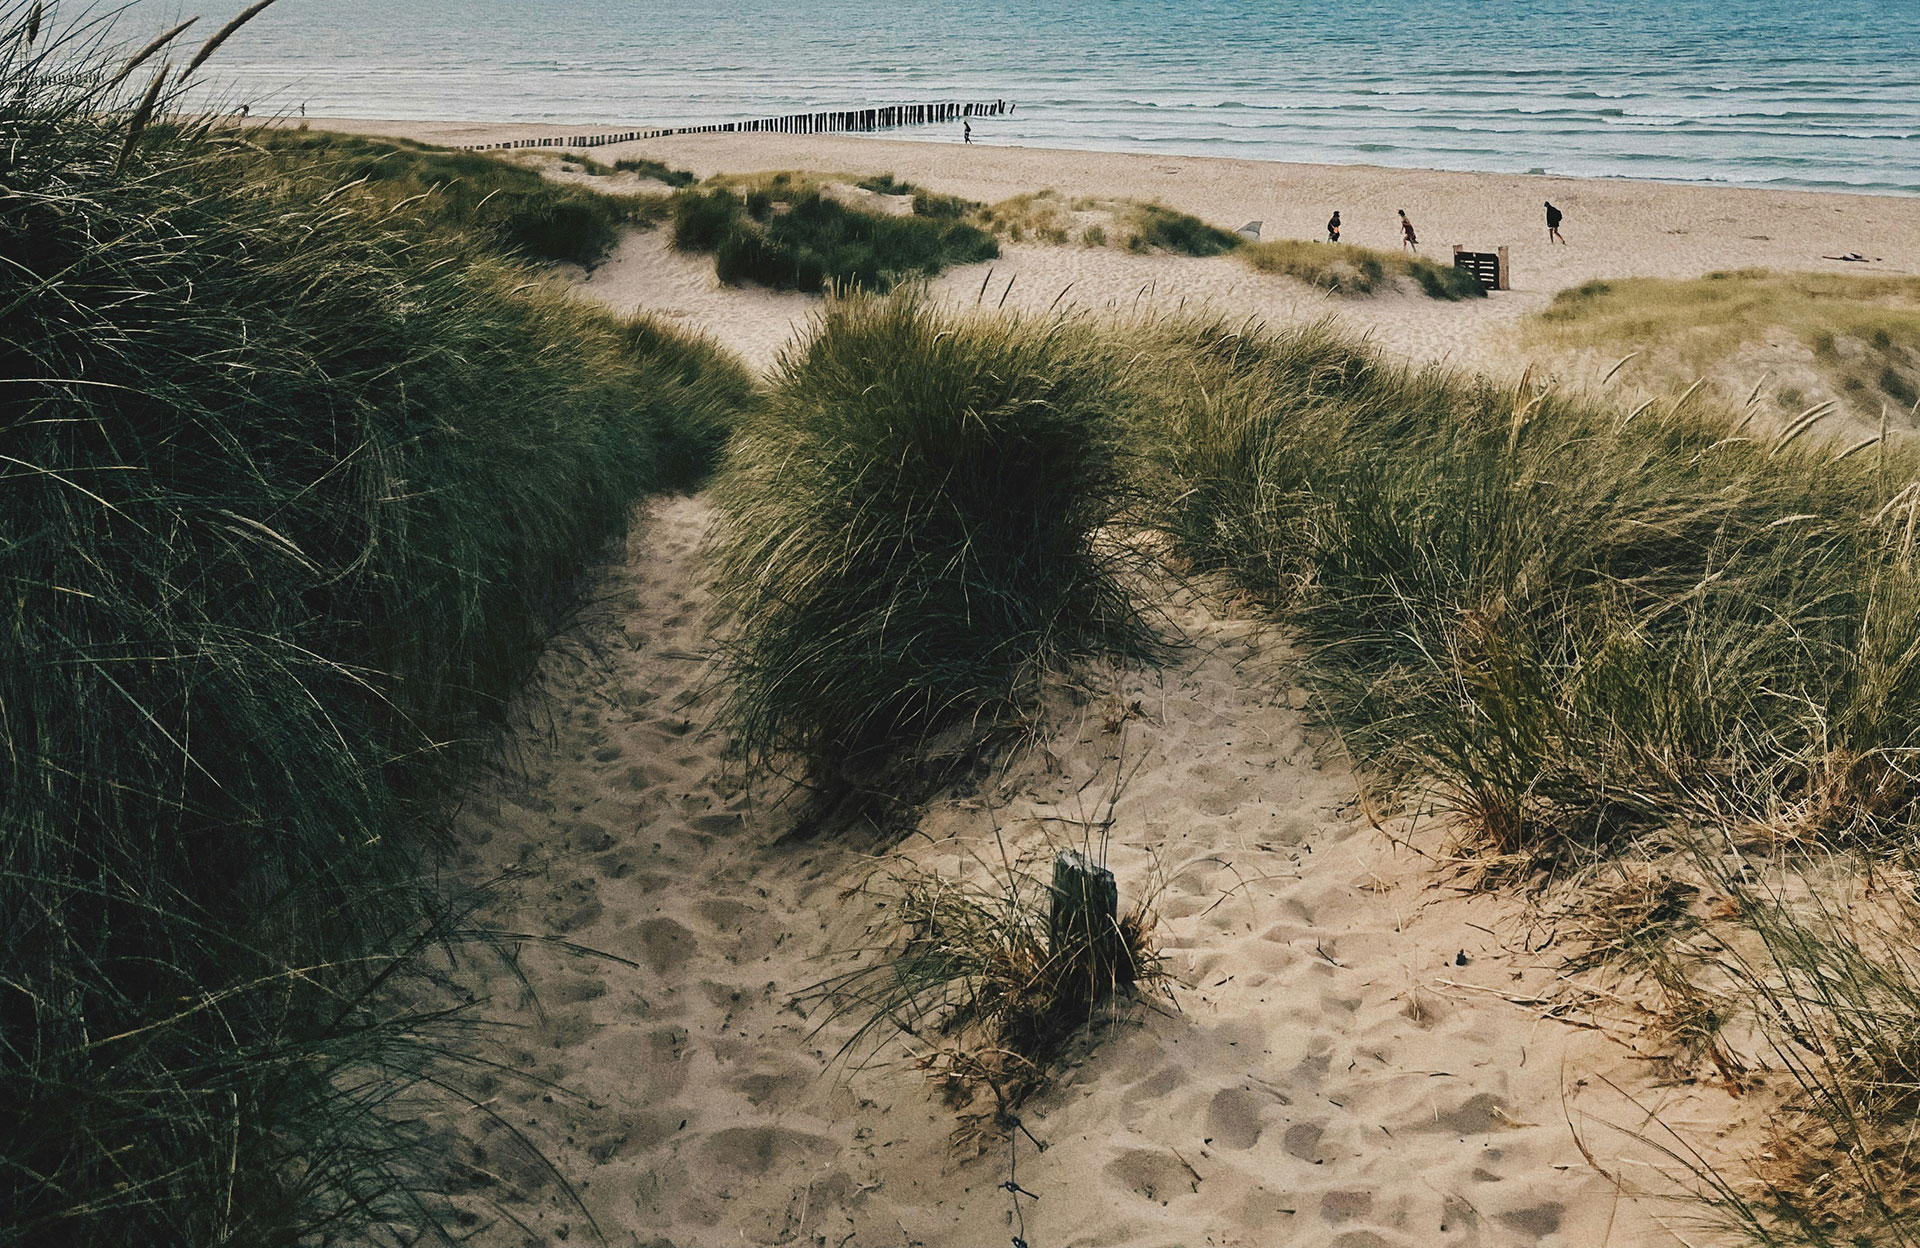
{"x":1784,"y":93}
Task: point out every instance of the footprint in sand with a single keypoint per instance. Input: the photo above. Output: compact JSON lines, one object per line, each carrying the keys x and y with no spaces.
{"x":573,"y":906}
{"x":1233,"y":1119}
{"x":665,"y":946}
{"x":1539,"y":1221}
{"x":1155,"y":1175}
{"x":765,"y":1087}
{"x":749,"y":1152}
{"x":1477,"y":1115}
{"x":1303,"y":1141}
{"x":1338,"y":1207}
{"x":636,"y":1134}
{"x":1364,"y":1239}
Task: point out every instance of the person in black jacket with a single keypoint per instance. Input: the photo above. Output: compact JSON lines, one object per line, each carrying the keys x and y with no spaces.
{"x":1333,"y":228}
{"x":1553,"y":224}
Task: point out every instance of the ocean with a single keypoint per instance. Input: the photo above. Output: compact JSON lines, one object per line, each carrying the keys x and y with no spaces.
{"x":1780,"y":93}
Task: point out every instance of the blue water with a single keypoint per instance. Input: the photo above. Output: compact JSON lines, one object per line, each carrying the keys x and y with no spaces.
{"x":1787,"y":93}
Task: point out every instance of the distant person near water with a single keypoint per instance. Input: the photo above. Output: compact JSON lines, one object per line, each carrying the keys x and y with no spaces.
{"x":966,"y":132}
{"x":1333,"y":228}
{"x":1553,"y":224}
{"x":1408,"y":238}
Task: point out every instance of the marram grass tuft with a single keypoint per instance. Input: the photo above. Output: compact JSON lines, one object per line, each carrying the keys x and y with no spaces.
{"x":292,"y":490}
{"x":913,"y":533}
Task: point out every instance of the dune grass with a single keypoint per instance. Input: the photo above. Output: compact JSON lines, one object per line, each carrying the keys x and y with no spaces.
{"x":909,"y":535}
{"x":659,"y":171}
{"x":506,"y":206}
{"x":296,"y":486}
{"x":1863,"y":331}
{"x":925,"y":203}
{"x":1577,"y":623}
{"x":1045,"y":215}
{"x":1583,"y":632}
{"x":1350,"y":270}
{"x":1050,"y":217}
{"x":1155,"y":226}
{"x":1822,"y":960}
{"x":786,"y":234}
{"x":990,"y":990}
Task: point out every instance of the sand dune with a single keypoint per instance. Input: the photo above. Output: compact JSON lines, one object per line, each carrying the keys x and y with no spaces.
{"x":1359,"y":1054}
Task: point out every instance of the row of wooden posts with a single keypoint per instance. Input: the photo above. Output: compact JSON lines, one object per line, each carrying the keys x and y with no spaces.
{"x":854,"y":119}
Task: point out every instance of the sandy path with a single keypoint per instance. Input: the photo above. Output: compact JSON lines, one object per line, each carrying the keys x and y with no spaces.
{"x":1325,"y":1082}
{"x":1355,"y":1060}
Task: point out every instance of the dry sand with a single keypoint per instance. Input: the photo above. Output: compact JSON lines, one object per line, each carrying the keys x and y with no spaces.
{"x":1360,"y":1053}
{"x":1616,"y":228}
{"x":1355,"y":1056}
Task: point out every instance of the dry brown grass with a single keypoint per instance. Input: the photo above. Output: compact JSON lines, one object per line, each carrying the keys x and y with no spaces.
{"x":1857,"y":337}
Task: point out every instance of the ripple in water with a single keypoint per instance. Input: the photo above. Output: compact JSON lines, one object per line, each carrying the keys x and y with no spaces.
{"x":1781,"y":92}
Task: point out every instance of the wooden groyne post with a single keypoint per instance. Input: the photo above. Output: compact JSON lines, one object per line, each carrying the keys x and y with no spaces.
{"x":883,"y":117}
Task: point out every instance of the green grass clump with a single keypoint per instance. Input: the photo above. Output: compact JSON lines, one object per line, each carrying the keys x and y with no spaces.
{"x":506,"y":206}
{"x":701,"y":219}
{"x":1588,"y":632}
{"x":1445,"y":281}
{"x":1155,"y":225}
{"x":989,"y":985}
{"x":942,"y":207}
{"x":1350,"y":270}
{"x":925,"y":203}
{"x":911,"y":534}
{"x":1044,"y":213}
{"x":1580,"y":625}
{"x":1863,"y":331}
{"x":659,"y":171}
{"x":295,"y":487}
{"x":886,"y":184}
{"x":788,"y":235}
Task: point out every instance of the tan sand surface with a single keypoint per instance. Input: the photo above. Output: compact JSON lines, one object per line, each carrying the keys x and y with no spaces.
{"x":1616,"y":228}
{"x":1360,"y":1052}
{"x":1354,"y":1057}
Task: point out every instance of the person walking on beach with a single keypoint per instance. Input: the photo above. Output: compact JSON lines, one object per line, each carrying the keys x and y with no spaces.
{"x":1333,"y":227}
{"x":1553,"y":224}
{"x":966,"y":132}
{"x":1408,"y":238}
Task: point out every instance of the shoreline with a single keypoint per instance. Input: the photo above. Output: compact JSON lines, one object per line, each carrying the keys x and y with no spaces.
{"x":503,"y":130}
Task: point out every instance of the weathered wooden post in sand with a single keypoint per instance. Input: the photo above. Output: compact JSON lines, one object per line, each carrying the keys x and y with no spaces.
{"x":1083,"y":928}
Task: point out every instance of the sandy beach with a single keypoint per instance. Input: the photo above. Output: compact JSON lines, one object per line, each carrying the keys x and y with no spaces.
{"x":1361,"y":1051}
{"x":1615,"y":228}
